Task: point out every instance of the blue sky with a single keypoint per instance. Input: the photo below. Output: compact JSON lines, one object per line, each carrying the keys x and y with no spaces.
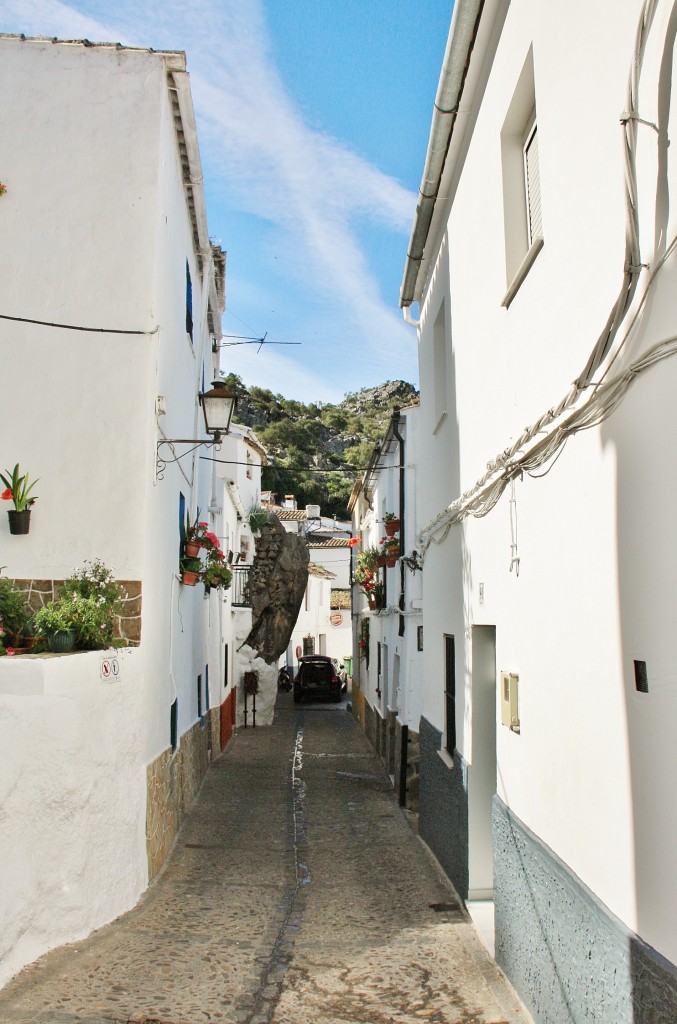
{"x":313,"y":119}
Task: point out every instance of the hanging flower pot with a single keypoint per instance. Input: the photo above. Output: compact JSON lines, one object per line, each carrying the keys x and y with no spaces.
{"x":392,"y":554}
{"x":191,"y":548}
{"x":189,"y":578}
{"x":392,"y":527}
{"x":19,"y":522}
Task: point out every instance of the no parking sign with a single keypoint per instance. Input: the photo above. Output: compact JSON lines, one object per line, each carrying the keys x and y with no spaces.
{"x":110,"y":669}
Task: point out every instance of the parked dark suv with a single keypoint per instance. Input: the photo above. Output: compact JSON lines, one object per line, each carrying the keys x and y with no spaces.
{"x":316,"y":677}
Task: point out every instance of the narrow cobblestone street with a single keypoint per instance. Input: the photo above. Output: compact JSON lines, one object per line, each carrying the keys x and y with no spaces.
{"x":296,"y":893}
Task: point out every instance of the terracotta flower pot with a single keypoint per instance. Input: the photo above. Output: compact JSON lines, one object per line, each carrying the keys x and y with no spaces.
{"x":391,"y":558}
{"x":189,"y":578}
{"x":392,"y":527}
{"x":192,"y":548}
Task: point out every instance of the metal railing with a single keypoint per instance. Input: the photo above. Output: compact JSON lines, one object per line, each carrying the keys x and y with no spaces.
{"x":239,"y":589}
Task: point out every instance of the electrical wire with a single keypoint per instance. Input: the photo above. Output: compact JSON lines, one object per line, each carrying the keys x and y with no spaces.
{"x":73,"y":327}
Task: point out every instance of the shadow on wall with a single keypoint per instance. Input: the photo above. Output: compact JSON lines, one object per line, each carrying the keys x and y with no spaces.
{"x":443,"y":793}
{"x":642,"y":433}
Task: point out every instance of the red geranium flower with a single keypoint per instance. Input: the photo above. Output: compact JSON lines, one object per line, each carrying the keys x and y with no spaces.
{"x":353,"y":542}
{"x":7,"y":494}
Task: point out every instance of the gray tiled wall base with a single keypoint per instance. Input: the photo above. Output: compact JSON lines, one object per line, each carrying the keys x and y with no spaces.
{"x":569,"y":958}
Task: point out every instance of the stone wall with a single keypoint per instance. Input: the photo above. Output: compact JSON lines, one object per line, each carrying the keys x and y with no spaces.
{"x":174,"y":778}
{"x":568,"y":957}
{"x":127,"y":624}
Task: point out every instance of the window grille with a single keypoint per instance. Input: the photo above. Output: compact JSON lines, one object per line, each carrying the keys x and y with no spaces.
{"x":532,"y":183}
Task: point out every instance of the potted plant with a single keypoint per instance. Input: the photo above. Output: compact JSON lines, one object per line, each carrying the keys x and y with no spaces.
{"x":18,"y":490}
{"x":88,"y":605}
{"x":257,"y":518}
{"x":391,"y":549}
{"x":392,"y":524}
{"x":55,"y":621}
{"x":216,"y":573}
{"x":190,"y":571}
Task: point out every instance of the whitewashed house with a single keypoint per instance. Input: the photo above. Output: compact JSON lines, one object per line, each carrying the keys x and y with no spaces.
{"x":542,"y":254}
{"x":324,"y":623}
{"x":387,"y":689}
{"x":112,"y":298}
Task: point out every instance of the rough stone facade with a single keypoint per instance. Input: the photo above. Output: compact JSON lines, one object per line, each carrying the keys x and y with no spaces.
{"x":568,"y":957}
{"x":443,"y":807}
{"x":174,"y":778}
{"x":127,"y":624}
{"x":277,"y":584}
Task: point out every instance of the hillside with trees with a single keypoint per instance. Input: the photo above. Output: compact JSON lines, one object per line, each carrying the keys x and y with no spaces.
{"x":316,"y":451}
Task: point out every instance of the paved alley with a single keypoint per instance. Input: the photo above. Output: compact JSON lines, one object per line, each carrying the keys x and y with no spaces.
{"x":296,"y":893}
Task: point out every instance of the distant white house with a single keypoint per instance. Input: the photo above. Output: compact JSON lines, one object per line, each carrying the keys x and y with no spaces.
{"x":543,"y":253}
{"x":324,"y":624}
{"x":387,"y":691}
{"x":109,"y":331}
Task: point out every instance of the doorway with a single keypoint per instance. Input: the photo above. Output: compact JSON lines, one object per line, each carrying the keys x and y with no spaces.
{"x":482,"y":770}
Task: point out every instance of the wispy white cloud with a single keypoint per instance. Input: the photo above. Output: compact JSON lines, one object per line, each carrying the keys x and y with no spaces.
{"x":310,"y":187}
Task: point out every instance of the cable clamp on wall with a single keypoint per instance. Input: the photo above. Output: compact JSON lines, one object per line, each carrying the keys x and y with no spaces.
{"x":630,"y":116}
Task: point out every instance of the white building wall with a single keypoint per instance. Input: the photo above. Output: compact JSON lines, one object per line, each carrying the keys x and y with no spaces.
{"x":596,"y":584}
{"x":96,"y":234}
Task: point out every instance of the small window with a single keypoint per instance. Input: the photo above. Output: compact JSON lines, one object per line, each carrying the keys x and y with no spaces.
{"x":199,"y":697}
{"x":174,"y":723}
{"x":440,"y":382}
{"x":532,"y":184}
{"x":523,"y":221}
{"x":189,"y":304}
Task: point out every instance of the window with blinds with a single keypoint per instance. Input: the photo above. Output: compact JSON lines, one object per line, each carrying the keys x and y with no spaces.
{"x":532,"y":184}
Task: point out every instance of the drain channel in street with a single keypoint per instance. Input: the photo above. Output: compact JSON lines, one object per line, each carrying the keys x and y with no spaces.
{"x":262,"y":1004}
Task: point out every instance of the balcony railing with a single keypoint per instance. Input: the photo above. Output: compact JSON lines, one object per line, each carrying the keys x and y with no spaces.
{"x":239,"y":588}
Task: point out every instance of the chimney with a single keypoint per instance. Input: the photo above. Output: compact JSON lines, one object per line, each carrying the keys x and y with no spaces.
{"x":290,"y":502}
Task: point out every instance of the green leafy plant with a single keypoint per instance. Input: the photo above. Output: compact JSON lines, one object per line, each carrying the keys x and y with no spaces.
{"x":88,"y":603}
{"x":191,"y":565}
{"x":216,"y":574}
{"x":257,"y":518}
{"x":17,"y":489}
{"x":15,"y":615}
{"x":366,"y":565}
{"x":55,"y":617}
{"x":390,"y":517}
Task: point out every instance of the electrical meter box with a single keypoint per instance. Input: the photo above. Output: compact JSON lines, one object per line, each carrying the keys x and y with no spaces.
{"x":510,"y":701}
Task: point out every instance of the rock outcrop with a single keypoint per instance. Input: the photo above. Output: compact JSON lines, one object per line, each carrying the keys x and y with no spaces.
{"x":277,"y":584}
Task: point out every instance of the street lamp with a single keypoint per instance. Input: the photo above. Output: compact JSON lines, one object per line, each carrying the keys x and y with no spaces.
{"x":218,"y":405}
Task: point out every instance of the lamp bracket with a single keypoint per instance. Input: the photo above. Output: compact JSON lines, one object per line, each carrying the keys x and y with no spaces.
{"x":161,"y":462}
